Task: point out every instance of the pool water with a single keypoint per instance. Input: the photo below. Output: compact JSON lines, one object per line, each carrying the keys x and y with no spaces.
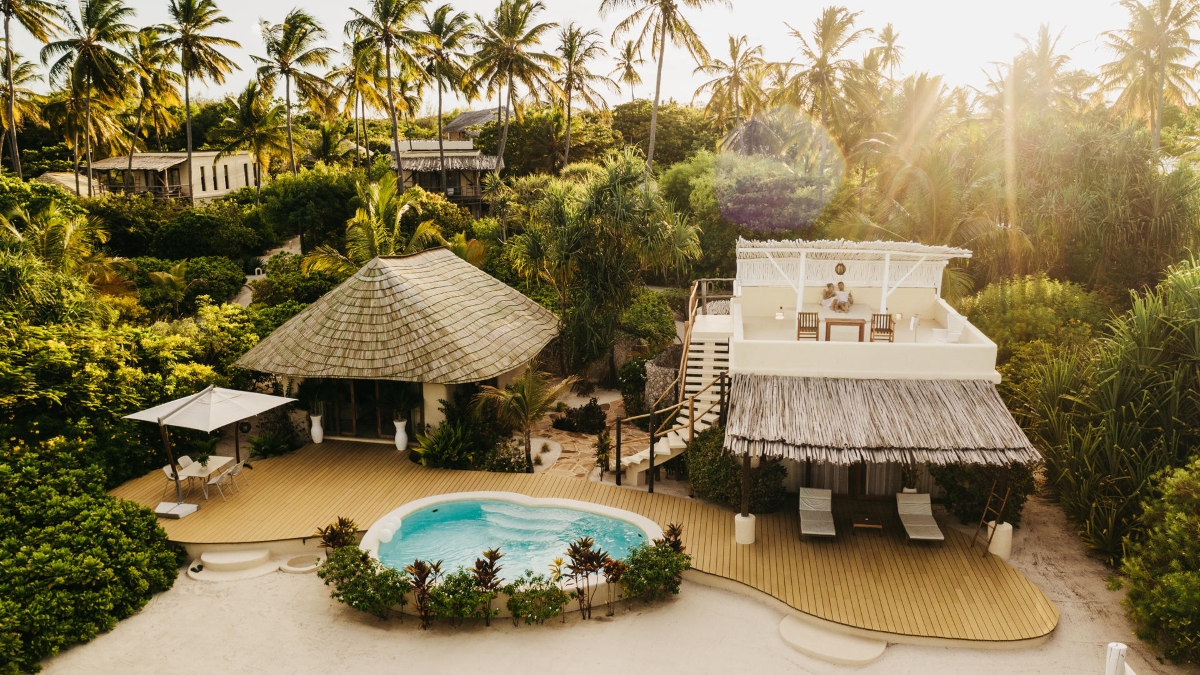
{"x":530,"y":537}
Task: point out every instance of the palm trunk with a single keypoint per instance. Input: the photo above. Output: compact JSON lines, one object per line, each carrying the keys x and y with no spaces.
{"x":366,"y":138}
{"x":504,"y":129}
{"x":392,"y":110}
{"x":12,"y":100}
{"x":75,"y":152}
{"x":567,"y":149}
{"x":824,"y":144}
{"x":287,"y":101}
{"x":662,"y":48}
{"x":441,"y":145}
{"x":87,"y":137}
{"x":1156,"y":139}
{"x":528,"y":451}
{"x":258,"y":166}
{"x":132,"y":143}
{"x":357,"y":145}
{"x":187,"y":106}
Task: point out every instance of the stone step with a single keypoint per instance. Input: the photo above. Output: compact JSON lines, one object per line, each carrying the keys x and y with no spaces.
{"x":233,"y":561}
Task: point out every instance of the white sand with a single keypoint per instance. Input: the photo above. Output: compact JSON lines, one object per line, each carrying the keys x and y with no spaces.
{"x":287,"y":624}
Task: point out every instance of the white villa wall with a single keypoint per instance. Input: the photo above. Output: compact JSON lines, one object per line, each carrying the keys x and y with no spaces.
{"x":973,"y":357}
{"x":766,"y":300}
{"x":240,"y":167}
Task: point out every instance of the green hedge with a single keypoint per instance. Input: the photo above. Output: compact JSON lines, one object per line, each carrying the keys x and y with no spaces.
{"x":1164,"y":568}
{"x":650,"y":319}
{"x":716,"y":475}
{"x":966,"y":490}
{"x":218,"y":277}
{"x":73,"y":560}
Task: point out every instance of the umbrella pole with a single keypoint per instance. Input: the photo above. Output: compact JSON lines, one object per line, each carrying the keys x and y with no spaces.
{"x":171,"y":458}
{"x":237,"y":451}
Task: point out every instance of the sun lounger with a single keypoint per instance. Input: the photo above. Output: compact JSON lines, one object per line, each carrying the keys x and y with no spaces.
{"x":816,"y":513}
{"x":916,"y":513}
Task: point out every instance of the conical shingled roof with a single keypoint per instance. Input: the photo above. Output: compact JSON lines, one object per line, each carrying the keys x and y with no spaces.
{"x":428,"y":317}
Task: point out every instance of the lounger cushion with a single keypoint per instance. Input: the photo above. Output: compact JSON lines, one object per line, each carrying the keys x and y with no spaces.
{"x":816,"y":512}
{"x":916,"y":513}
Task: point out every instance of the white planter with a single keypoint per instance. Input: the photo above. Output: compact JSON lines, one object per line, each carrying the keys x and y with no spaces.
{"x":743,"y":529}
{"x":401,"y":435}
{"x":318,"y":432}
{"x":910,"y":491}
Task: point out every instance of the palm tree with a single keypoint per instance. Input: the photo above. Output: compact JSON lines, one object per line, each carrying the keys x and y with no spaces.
{"x":735,"y":83}
{"x":443,"y":37}
{"x":157,"y":82}
{"x":576,"y":49}
{"x":66,"y":243}
{"x":291,"y":47}
{"x":359,"y":77}
{"x":26,"y":104}
{"x":200,"y":54}
{"x":889,"y":51}
{"x":1155,"y":54}
{"x":89,"y":57}
{"x":375,"y":230}
{"x":40,"y":19}
{"x":825,"y":70}
{"x":174,"y":283}
{"x":627,"y":61}
{"x":525,"y":402}
{"x":257,"y":125}
{"x":661,"y":22}
{"x":386,"y":25}
{"x":505,"y":56}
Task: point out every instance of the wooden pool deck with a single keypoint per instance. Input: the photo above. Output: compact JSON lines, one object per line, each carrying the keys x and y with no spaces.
{"x":871,"y":580}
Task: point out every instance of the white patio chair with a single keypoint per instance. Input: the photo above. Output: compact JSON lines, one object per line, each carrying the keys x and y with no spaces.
{"x":955,"y":324}
{"x":916,"y":513}
{"x":170,"y":485}
{"x":238,"y":471}
{"x":225,"y":479}
{"x":816,"y":513}
{"x":184,"y":461}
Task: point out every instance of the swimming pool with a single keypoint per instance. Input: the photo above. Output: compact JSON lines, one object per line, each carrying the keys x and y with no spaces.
{"x":530,"y":533}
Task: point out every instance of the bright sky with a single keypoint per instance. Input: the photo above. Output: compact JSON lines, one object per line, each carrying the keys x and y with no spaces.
{"x":950,"y":37}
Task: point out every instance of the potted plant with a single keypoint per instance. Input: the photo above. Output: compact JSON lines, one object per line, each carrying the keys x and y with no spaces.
{"x":311,"y":396}
{"x":401,"y":397}
{"x":909,"y":475}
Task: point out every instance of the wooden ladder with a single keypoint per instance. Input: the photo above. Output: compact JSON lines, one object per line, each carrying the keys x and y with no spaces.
{"x":990,"y":510}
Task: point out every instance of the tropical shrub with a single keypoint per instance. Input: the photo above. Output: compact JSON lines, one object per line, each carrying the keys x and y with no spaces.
{"x":533,"y":598}
{"x":73,"y":560}
{"x":631,"y":382}
{"x":966,"y":488}
{"x":284,"y":282}
{"x":588,"y":418}
{"x":338,"y":534}
{"x":507,"y":457}
{"x":765,"y":194}
{"x":682,"y":130}
{"x":132,"y":220}
{"x":317,"y":202}
{"x":654,"y":571}
{"x":1035,"y":308}
{"x":214,"y":230}
{"x":362,"y":582}
{"x":487,"y":432}
{"x":1108,"y":418}
{"x":424,"y":576}
{"x":650,"y":319}
{"x":487,"y":577}
{"x":716,"y":475}
{"x":1164,"y":567}
{"x":217,"y":277}
{"x":459,"y":596}
{"x":446,"y":447}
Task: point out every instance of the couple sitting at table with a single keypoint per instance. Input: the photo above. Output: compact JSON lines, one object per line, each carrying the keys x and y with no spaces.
{"x":839,"y":299}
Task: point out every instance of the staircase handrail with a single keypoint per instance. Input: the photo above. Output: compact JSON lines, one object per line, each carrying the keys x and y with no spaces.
{"x":699,"y":293}
{"x":676,"y":406}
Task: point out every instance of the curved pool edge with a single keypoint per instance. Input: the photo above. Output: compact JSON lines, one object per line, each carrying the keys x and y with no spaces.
{"x":370,"y":540}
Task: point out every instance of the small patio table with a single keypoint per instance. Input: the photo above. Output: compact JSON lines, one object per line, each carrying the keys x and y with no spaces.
{"x":868,"y":521}
{"x":194,"y":470}
{"x":861,"y":323}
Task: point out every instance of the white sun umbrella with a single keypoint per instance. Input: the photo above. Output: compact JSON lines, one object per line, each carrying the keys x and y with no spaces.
{"x":207,"y":410}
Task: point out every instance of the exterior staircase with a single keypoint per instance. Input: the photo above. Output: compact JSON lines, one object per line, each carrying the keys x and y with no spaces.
{"x":704,"y":365}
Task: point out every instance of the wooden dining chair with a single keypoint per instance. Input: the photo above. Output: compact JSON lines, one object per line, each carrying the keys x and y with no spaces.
{"x":882,"y":329}
{"x":807,"y":325}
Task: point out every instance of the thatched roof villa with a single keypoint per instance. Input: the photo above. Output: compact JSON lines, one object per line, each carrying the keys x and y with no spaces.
{"x":430,"y":319}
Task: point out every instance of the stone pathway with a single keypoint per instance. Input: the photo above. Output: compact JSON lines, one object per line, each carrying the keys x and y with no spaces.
{"x":578,"y":458}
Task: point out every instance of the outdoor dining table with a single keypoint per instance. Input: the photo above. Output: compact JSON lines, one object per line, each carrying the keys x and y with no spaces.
{"x":195,"y":470}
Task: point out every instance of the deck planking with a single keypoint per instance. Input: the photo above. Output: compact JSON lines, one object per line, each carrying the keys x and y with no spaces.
{"x":867,"y":579}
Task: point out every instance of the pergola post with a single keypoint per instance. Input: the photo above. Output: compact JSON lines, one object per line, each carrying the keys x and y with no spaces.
{"x":883,"y":289}
{"x":800,"y":289}
{"x":743,"y":523}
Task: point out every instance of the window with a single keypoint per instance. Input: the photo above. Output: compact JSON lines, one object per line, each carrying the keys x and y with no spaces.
{"x":246,"y":173}
{"x":203,"y":185}
{"x":226,"y":176}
